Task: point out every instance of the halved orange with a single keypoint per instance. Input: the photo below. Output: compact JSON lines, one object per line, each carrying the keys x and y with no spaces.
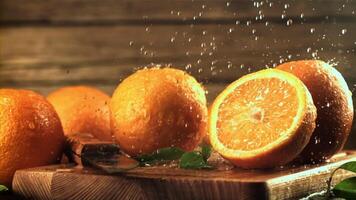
{"x":262,"y":120}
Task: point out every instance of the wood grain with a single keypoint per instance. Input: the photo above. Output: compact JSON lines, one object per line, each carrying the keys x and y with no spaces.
{"x":173,"y":183}
{"x":36,"y":45}
{"x":131,"y":11}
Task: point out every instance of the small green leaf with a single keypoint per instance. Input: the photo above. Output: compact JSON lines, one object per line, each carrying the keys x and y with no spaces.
{"x":164,"y":154}
{"x":3,"y":189}
{"x":346,"y":188}
{"x":193,"y":160}
{"x":206,"y":151}
{"x":350,"y":166}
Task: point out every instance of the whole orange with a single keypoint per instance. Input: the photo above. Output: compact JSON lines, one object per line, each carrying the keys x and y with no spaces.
{"x":156,"y":108}
{"x":30,"y":132}
{"x":83,"y":109}
{"x":333,"y":101}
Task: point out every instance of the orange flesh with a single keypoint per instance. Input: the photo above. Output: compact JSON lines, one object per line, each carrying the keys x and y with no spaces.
{"x":256,"y":114}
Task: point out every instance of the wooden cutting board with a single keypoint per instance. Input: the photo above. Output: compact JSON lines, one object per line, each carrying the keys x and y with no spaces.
{"x":162,"y":182}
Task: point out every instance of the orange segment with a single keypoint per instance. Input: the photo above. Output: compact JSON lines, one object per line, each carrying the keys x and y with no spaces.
{"x":255,"y":119}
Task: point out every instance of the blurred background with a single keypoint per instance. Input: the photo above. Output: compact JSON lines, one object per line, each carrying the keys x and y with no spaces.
{"x":49,"y":44}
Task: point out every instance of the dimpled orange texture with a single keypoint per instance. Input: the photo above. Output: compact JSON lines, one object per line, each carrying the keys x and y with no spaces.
{"x":333,"y":101}
{"x":30,"y":132}
{"x":83,"y":109}
{"x":156,"y":108}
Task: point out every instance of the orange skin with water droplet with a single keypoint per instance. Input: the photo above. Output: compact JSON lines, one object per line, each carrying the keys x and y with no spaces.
{"x":333,"y":101}
{"x":31,"y":134}
{"x":156,"y":108}
{"x":83,"y":109}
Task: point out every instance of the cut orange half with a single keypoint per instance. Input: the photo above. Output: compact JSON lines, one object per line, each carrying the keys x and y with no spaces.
{"x":262,"y":120}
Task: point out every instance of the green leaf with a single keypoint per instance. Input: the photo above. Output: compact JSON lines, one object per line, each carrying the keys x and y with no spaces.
{"x":164,"y":154}
{"x":193,"y":160}
{"x":206,"y":151}
{"x":3,"y":189}
{"x":346,"y":188}
{"x":350,"y":166}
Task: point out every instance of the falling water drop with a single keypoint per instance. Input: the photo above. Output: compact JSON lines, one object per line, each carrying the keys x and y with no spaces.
{"x":289,"y":22}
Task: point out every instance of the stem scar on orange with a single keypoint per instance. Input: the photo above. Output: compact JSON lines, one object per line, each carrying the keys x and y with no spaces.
{"x":333,"y":101}
{"x":262,"y":120}
{"x":156,"y":108}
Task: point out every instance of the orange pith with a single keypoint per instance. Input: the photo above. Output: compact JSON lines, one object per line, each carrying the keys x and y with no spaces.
{"x":264,"y":119}
{"x":255,"y":114}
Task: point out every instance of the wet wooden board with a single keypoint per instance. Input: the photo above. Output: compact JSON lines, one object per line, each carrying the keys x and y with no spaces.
{"x":70,"y":182}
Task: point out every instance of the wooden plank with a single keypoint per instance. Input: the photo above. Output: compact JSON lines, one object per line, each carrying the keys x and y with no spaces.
{"x":162,"y":182}
{"x":129,"y":11}
{"x":223,"y":70}
{"x":68,"y":45}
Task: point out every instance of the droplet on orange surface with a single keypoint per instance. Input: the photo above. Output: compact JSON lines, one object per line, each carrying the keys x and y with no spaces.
{"x":333,"y":101}
{"x":264,"y":119}
{"x":156,"y":108}
{"x":31,"y":134}
{"x":83,"y":109}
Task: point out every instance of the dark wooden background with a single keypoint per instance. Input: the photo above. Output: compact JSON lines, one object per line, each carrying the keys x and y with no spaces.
{"x":49,"y":44}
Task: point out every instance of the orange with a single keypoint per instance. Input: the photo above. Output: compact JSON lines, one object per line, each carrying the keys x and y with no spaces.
{"x":156,"y":108}
{"x":83,"y":109}
{"x":30,"y":132}
{"x":262,"y":120}
{"x":333,"y":101}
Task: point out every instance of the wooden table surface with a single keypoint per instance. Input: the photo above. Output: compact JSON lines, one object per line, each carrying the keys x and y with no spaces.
{"x":70,"y":182}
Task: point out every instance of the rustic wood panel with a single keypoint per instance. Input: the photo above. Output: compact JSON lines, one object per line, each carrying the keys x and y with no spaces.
{"x":97,"y":43}
{"x":112,"y":74}
{"x":204,"y":11}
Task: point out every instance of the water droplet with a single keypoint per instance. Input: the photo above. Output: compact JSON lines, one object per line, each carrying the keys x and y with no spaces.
{"x":283,"y":16}
{"x":312,"y":30}
{"x":31,"y":126}
{"x":315,"y":54}
{"x":343,"y":31}
{"x":227,"y":4}
{"x":289,"y":22}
